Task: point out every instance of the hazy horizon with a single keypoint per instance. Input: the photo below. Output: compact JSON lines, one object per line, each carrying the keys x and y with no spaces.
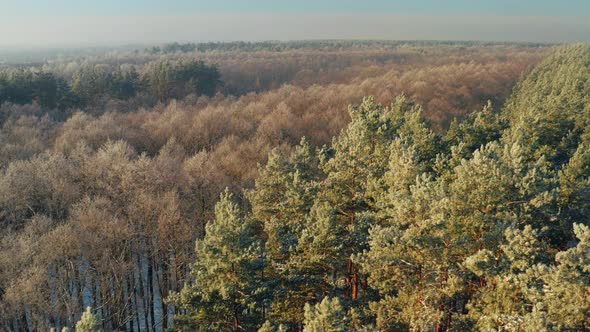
{"x":42,"y":23}
{"x":279,"y":165}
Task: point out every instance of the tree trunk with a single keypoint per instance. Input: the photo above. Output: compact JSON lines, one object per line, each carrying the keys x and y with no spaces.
{"x":86,"y":280}
{"x":157,"y":301}
{"x":236,"y":324}
{"x":355,"y":283}
{"x":99,"y":305}
{"x":139,"y":301}
{"x":15,"y":325}
{"x":127,"y":316}
{"x":148,"y":292}
{"x":173,"y":285}
{"x":29,"y":318}
{"x":54,"y":297}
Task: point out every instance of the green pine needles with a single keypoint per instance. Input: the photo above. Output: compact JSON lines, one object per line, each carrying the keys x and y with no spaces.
{"x":394,"y":227}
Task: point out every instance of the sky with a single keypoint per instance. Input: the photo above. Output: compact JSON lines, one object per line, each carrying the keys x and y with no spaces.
{"x":85,"y":22}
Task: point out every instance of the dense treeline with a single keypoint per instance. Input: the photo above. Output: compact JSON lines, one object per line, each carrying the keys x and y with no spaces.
{"x":321,"y":44}
{"x":263,"y":69}
{"x":440,"y":80}
{"x":89,"y":83}
{"x":27,"y":56}
{"x":393,"y":227}
{"x":102,"y":207}
{"x":245,"y":129}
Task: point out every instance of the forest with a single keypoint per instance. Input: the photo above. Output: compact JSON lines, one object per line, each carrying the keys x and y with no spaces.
{"x":297,"y":186}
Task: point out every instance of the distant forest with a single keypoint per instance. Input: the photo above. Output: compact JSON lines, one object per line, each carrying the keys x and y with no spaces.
{"x":162,"y":79}
{"x":302,"y":186}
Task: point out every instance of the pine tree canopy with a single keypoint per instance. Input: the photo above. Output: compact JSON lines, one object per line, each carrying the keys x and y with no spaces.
{"x":395,"y":227}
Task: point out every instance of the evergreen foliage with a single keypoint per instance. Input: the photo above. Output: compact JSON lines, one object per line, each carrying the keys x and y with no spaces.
{"x":326,"y":316}
{"x":394,"y":227}
{"x":228,"y":290}
{"x":92,"y":83}
{"x":88,"y":322}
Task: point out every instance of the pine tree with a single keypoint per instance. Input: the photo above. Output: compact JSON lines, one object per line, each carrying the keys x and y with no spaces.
{"x":358,"y":155}
{"x":268,"y":326}
{"x":327,"y":316}
{"x":408,"y":263}
{"x":432,"y":224}
{"x":392,"y":192}
{"x":573,"y":198}
{"x":320,"y":252}
{"x":512,"y":282}
{"x":477,"y":130}
{"x":88,"y":322}
{"x":547,"y":112}
{"x":228,"y":290}
{"x":567,"y":293}
{"x":281,"y":200}
{"x":270,"y":187}
{"x":282,"y":196}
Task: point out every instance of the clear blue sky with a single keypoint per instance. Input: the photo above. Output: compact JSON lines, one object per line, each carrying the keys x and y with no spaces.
{"x":53,"y":22}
